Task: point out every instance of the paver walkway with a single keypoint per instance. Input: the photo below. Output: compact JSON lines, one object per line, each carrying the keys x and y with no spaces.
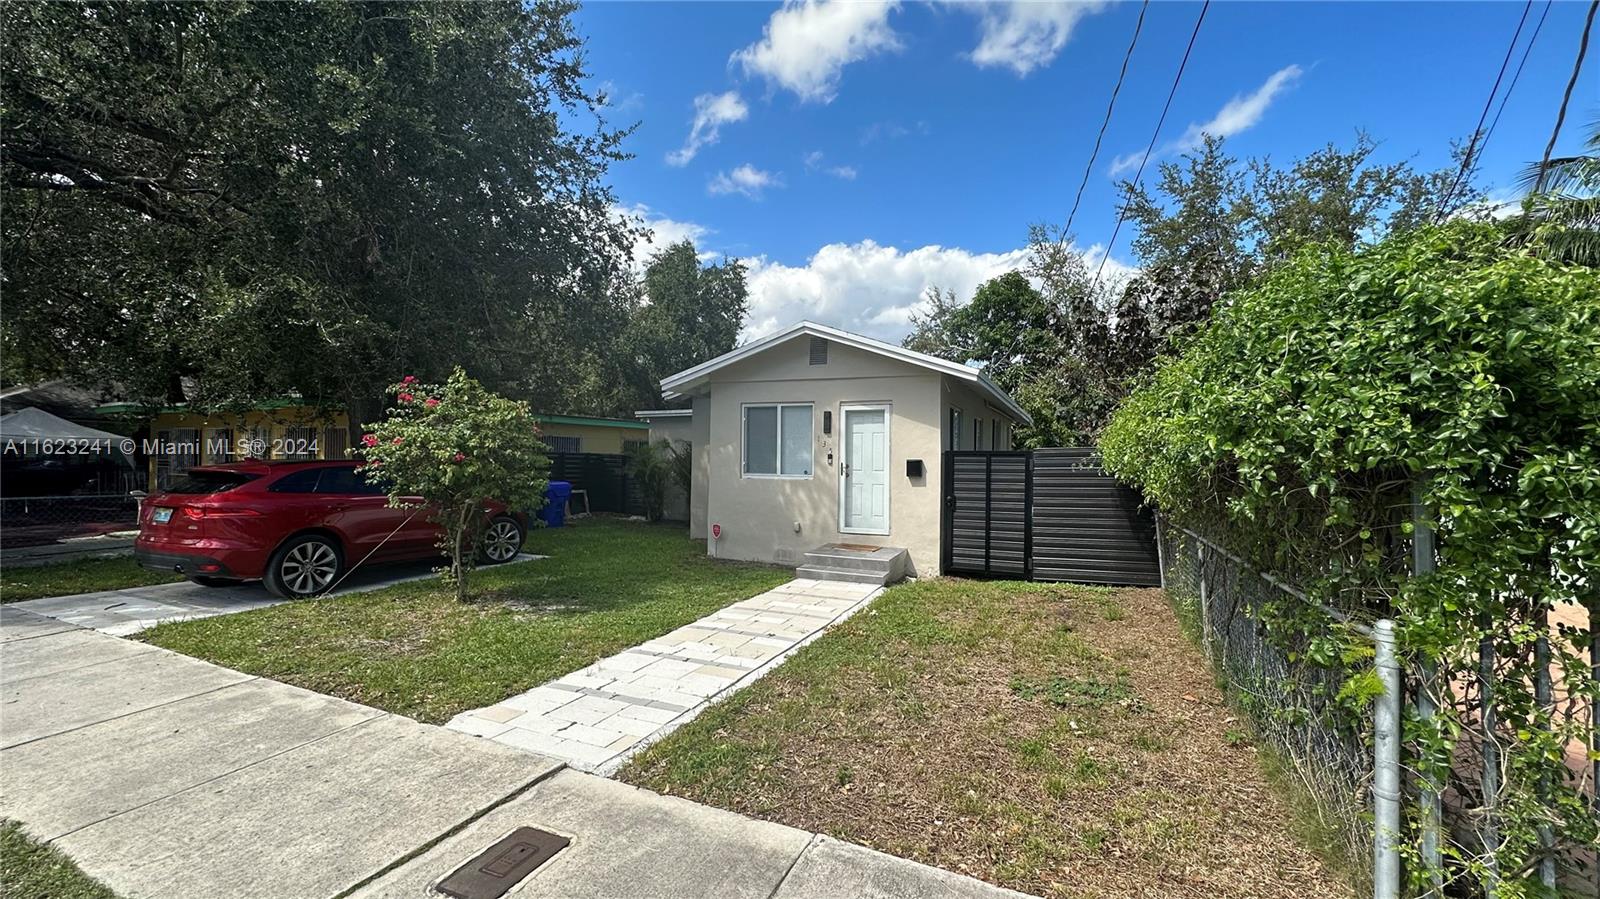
{"x":597,"y":717}
{"x":124,"y":612}
{"x":165,"y":776}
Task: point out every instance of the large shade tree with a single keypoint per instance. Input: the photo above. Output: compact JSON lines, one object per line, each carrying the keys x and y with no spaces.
{"x":249,"y":199}
{"x":691,"y":312}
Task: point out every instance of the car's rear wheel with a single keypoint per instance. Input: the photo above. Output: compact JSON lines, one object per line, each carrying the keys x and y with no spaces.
{"x":304,"y":566}
{"x":205,"y":581}
{"x":502,"y":540}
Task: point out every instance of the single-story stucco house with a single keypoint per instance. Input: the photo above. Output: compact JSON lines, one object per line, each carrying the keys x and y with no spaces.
{"x":813,"y":438}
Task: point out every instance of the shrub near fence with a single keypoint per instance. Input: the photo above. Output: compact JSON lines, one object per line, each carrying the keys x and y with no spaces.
{"x":1441,"y":380}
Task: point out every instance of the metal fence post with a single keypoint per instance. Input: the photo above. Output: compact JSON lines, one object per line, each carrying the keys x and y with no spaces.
{"x":1205,"y":601}
{"x":1543,"y":698}
{"x":1386,"y":768}
{"x":1161,"y":551}
{"x":1423,"y":561}
{"x":1490,"y":784}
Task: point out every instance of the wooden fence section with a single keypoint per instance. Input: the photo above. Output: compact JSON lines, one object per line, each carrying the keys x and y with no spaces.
{"x":1045,"y":515}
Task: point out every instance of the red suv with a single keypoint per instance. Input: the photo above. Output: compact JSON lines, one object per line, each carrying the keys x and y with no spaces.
{"x":295,"y":525}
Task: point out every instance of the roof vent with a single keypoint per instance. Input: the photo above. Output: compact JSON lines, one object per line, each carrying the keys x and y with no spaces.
{"x":819,"y":351}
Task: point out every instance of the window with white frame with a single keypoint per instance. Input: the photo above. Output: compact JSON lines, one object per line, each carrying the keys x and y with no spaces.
{"x":994,"y":435}
{"x":955,"y":428}
{"x":778,"y":440}
{"x":977,"y":433}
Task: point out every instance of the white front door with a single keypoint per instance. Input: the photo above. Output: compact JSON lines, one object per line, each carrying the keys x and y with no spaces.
{"x":865,"y":493}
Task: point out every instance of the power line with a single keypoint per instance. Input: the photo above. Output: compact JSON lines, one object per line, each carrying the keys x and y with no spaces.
{"x":1561,"y":115}
{"x":1094,"y":154}
{"x":1123,"y":214}
{"x":1517,"y":75}
{"x":1477,"y":132}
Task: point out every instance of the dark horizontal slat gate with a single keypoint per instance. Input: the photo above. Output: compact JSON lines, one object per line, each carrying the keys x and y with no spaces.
{"x":1045,"y":515}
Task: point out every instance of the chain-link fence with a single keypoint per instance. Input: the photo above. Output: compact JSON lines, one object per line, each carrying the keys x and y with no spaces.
{"x":39,"y":520}
{"x":1289,"y":690}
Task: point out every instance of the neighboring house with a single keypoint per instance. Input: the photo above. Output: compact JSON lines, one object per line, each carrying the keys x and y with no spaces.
{"x":584,"y":434}
{"x":815,"y":435}
{"x":177,"y":438}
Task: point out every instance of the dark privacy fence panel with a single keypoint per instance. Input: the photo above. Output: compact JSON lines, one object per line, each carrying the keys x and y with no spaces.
{"x":1046,"y":515}
{"x":604,"y":475}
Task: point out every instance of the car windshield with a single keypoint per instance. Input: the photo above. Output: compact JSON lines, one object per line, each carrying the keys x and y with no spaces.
{"x":203,"y":483}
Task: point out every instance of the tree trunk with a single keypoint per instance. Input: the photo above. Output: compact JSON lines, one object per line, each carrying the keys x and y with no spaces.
{"x":458,"y":557}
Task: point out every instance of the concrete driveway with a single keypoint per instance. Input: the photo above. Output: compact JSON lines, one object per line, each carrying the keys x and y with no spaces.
{"x":162,"y":775}
{"x":124,"y":612}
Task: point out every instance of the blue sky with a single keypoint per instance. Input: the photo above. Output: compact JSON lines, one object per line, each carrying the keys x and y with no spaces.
{"x":856,"y":153}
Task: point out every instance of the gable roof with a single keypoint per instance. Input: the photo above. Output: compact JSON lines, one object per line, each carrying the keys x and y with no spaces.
{"x":692,"y":378}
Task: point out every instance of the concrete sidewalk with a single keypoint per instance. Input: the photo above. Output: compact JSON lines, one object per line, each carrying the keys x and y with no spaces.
{"x":597,"y":717}
{"x":122,"y":613}
{"x":162,"y":775}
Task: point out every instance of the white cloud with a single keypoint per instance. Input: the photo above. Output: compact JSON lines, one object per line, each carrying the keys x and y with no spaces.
{"x":1238,"y":114}
{"x":864,"y":287}
{"x":1024,"y":35}
{"x":1243,"y":111}
{"x":746,"y":179}
{"x":813,"y":161}
{"x":711,"y":112}
{"x":807,"y":43}
{"x":1125,"y":163}
{"x":663,"y":232}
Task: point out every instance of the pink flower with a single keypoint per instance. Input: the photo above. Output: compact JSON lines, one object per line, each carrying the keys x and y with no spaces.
{"x":369,"y":439}
{"x":430,"y":402}
{"x":409,"y":379}
{"x":398,"y":440}
{"x":406,"y":397}
{"x":461,"y":457}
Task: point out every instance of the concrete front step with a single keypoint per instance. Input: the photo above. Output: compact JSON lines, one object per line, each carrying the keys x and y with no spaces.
{"x":856,"y":564}
{"x":847,"y":575}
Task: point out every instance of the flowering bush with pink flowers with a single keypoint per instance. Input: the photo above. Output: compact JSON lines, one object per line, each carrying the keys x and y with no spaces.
{"x":457,"y":445}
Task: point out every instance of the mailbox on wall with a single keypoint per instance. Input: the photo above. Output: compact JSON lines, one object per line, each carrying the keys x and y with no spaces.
{"x":913,"y":468}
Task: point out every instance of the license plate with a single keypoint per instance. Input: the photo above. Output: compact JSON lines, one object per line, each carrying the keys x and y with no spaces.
{"x":162,"y":516}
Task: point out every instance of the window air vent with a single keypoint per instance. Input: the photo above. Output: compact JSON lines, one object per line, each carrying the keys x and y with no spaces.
{"x":819,"y":351}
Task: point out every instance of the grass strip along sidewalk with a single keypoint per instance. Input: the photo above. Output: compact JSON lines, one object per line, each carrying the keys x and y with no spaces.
{"x":81,"y":576}
{"x":412,"y":649}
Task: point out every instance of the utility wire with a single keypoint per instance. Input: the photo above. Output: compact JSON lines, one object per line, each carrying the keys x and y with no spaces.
{"x":1477,"y":132}
{"x":1517,"y":75}
{"x":1123,"y":214}
{"x":1095,"y":153}
{"x":1561,"y":117}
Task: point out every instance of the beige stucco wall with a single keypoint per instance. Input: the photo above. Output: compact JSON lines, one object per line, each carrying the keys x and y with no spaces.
{"x":973,"y":406}
{"x":778,"y":519}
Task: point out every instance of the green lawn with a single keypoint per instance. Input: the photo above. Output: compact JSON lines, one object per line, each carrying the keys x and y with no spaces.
{"x":31,"y":870}
{"x":412,"y":649}
{"x":82,"y":576}
{"x":1057,"y":740}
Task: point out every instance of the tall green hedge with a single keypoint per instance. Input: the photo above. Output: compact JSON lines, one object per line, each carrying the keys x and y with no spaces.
{"x":1297,"y":425}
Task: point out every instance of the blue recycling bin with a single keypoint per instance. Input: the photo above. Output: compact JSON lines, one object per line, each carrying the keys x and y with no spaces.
{"x":555,"y":506}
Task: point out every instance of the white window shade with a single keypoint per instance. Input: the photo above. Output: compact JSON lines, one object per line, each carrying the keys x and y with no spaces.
{"x":795,"y":430}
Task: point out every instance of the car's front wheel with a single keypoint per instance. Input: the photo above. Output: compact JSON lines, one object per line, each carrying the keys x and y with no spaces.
{"x":502,"y":540}
{"x":304,"y":566}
